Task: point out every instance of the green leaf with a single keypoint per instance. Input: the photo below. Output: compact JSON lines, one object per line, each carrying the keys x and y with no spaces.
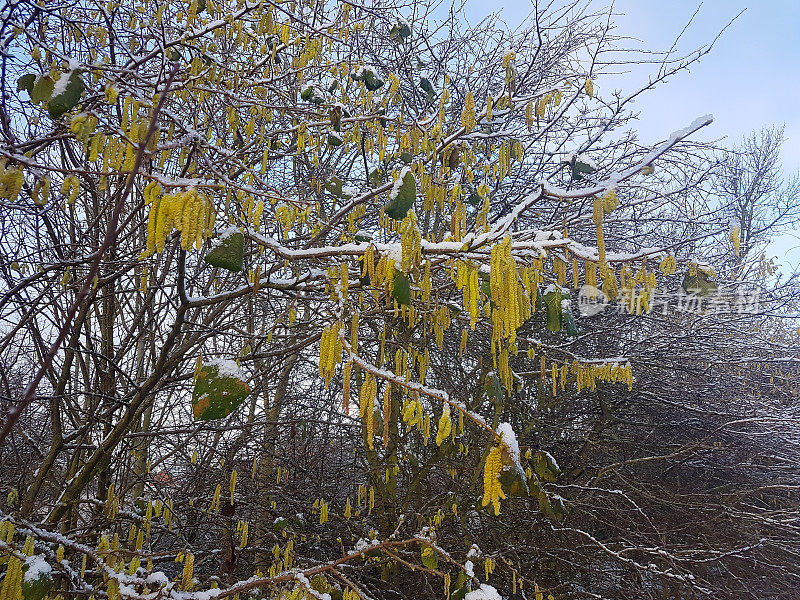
{"x":320,"y":584}
{"x":453,"y":157}
{"x":534,"y":485}
{"x":336,"y":592}
{"x":492,"y":387}
{"x":69,"y":98}
{"x":368,"y":76}
{"x":372,"y":81}
{"x":558,"y":507}
{"x":313,"y":93}
{"x":400,"y":31}
{"x":552,"y":301}
{"x":404,"y":195}
{"x":513,"y":480}
{"x":406,"y":157}
{"x":699,"y":284}
{"x":462,"y":587}
{"x":544,"y":505}
{"x":36,"y":589}
{"x":401,"y":290}
{"x":336,"y":118}
{"x":216,"y":395}
{"x":229,"y":254}
{"x":280,"y":524}
{"x":545,"y":466}
{"x":334,"y":186}
{"x":42,"y":89}
{"x":459,"y":593}
{"x":568,"y":321}
{"x":375,"y":177}
{"x":334,"y":139}
{"x":552,"y":507}
{"x":427,"y":87}
{"x":486,"y":288}
{"x":26,"y":83}
{"x":539,"y":304}
{"x":429,"y":558}
{"x":579,"y":169}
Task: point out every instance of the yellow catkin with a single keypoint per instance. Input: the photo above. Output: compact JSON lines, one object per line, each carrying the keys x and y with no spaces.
{"x":188,"y":571}
{"x":11,"y":588}
{"x":597,"y":211}
{"x":330,"y":352}
{"x":323,"y":512}
{"x":668,"y":265}
{"x":190,"y":212}
{"x":601,"y":247}
{"x":215,"y":499}
{"x":541,"y":107}
{"x":529,"y":116}
{"x":735,"y":240}
{"x":468,"y":119}
{"x":344,"y":281}
{"x":590,"y":273}
{"x":387,"y":412}
{"x":245,"y":531}
{"x":610,"y":201}
{"x":367,"y":403}
{"x":576,"y":275}
{"x":445,"y":426}
{"x":11,"y":181}
{"x":492,"y":489}
{"x":507,"y":316}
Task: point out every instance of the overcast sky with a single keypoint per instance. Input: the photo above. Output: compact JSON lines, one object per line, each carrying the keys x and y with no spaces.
{"x":749,"y":80}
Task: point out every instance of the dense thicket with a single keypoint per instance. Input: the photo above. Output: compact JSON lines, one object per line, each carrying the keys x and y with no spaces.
{"x":301,"y":299}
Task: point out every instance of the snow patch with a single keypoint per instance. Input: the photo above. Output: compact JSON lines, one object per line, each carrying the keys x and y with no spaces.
{"x":38,"y":567}
{"x":485,"y":592}
{"x":60,"y":86}
{"x":226,"y":368}
{"x":226,"y":233}
{"x":509,"y":438}
{"x":157,"y":578}
{"x":583,"y":158}
{"x":469,"y":569}
{"x":395,"y":252}
{"x":554,"y":287}
{"x":207,"y":594}
{"x":363,"y":544}
{"x":397,"y":183}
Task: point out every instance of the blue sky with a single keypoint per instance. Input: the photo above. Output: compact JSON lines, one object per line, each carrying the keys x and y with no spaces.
{"x":749,"y":80}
